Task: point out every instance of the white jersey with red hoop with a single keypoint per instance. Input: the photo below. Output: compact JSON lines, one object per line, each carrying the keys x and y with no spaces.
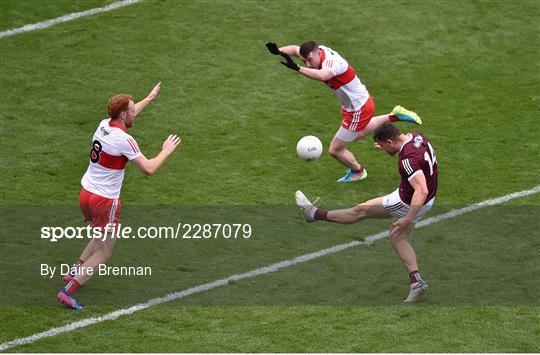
{"x":351,"y":93}
{"x":112,"y":147}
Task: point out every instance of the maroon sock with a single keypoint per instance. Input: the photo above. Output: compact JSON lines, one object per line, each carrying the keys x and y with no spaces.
{"x":321,"y":215}
{"x":393,"y":118}
{"x":414,"y":276}
{"x":72,"y":287}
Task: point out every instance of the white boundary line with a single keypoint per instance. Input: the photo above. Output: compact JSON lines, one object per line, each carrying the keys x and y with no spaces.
{"x":66,"y":18}
{"x":255,"y":272}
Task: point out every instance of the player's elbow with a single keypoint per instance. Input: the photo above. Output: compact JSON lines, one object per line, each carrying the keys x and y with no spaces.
{"x":147,"y":170}
{"x":325,"y":76}
{"x":422,"y":191}
{"x":145,"y":166}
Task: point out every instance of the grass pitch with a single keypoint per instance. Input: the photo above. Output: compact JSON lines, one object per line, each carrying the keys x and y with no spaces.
{"x":470,"y":69}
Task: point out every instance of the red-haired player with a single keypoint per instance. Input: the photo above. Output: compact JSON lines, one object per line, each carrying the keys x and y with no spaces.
{"x":99,"y":198}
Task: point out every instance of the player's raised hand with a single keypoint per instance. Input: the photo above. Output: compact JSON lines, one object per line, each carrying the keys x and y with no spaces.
{"x":152,"y":95}
{"x":171,"y":143}
{"x":273,"y":48}
{"x":289,"y":63}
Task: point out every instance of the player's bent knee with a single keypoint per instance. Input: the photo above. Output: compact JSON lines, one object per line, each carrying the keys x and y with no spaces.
{"x":334,"y":151}
{"x":399,"y":238}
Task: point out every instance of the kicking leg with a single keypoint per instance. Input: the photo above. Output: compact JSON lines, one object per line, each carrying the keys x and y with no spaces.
{"x":370,"y":209}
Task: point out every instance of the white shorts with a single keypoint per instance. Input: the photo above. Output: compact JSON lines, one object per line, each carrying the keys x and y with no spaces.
{"x":345,"y":135}
{"x":396,"y":208}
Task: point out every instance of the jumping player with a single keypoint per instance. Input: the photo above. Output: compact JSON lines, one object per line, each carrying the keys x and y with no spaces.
{"x":415,"y":196}
{"x":357,"y":106}
{"x":99,"y":198}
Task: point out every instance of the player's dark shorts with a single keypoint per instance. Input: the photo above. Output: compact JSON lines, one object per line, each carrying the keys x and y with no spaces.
{"x":98,"y":209}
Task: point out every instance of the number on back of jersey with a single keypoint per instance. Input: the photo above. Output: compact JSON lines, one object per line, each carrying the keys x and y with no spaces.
{"x":431,"y":160}
{"x":96,"y":151}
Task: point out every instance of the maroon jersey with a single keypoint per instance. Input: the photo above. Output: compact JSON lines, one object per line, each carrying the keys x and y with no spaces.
{"x":417,"y":155}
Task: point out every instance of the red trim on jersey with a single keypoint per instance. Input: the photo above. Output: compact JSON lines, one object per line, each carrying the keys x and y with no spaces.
{"x":323,"y":57}
{"x":116,"y":125}
{"x":133,"y":145}
{"x":117,"y":162}
{"x":342,"y":79}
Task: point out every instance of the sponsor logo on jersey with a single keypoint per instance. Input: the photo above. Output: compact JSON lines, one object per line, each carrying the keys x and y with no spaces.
{"x":418,"y":140}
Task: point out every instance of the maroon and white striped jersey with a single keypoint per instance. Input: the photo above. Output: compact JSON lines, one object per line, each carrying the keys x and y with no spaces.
{"x":112,"y":147}
{"x":417,"y":155}
{"x":350,"y":91}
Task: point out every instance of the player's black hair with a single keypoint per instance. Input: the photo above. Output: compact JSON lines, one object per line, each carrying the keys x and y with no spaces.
{"x":385,"y":132}
{"x":308,"y":47}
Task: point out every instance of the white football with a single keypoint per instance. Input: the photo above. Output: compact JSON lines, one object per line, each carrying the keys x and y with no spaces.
{"x":309,"y":148}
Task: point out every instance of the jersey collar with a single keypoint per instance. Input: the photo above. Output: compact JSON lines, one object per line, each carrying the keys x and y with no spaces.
{"x":407,"y":141}
{"x":116,"y":125}
{"x":323,"y":57}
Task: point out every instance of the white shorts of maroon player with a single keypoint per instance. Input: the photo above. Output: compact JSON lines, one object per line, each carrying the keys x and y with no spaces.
{"x":396,"y":208}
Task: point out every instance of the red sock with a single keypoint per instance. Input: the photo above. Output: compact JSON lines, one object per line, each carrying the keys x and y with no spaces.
{"x":321,"y":215}
{"x":72,"y":287}
{"x":393,"y":118}
{"x":359,"y":170}
{"x":414,"y":276}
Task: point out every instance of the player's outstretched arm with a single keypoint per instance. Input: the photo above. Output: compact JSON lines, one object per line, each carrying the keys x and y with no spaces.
{"x":323,"y":74}
{"x":288,"y":50}
{"x":291,"y":50}
{"x":151,"y":97}
{"x":150,"y":166}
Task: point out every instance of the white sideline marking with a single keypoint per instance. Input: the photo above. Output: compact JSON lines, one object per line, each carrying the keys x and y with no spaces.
{"x":66,"y":18}
{"x":252,"y":273}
